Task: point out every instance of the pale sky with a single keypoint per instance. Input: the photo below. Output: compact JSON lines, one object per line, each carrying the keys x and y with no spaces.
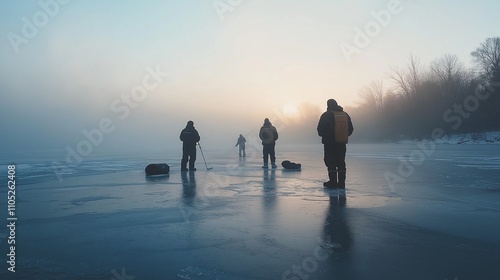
{"x":66,"y":67}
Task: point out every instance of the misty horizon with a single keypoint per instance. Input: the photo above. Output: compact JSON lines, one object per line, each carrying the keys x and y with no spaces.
{"x":145,"y":70}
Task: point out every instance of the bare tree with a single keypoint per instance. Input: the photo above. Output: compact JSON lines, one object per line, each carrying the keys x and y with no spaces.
{"x":373,"y":95}
{"x":408,"y":79}
{"x":487,"y":56}
{"x":449,"y":72}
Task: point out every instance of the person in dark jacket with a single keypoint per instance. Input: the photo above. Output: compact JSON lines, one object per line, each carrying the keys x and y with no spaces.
{"x":334,"y":127}
{"x":268,"y":134}
{"x":189,"y":137}
{"x":241,"y":142}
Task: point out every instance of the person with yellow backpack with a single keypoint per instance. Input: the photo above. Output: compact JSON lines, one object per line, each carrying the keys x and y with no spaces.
{"x":334,"y":128}
{"x":268,"y":134}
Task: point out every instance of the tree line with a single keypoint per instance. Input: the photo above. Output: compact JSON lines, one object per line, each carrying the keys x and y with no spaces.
{"x":443,"y":94}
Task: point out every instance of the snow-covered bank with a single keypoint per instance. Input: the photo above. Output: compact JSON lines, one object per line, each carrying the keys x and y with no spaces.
{"x":468,"y":138}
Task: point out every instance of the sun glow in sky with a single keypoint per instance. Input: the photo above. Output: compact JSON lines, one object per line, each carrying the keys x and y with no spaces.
{"x":230,"y":64}
{"x":290,"y":110}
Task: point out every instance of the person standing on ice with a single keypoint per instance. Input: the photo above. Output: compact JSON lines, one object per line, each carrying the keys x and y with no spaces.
{"x":189,"y":137}
{"x":268,"y":134}
{"x":334,"y":128}
{"x":241,"y":141}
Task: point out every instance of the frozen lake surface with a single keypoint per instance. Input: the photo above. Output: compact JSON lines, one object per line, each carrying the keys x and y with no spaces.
{"x":409,"y":212}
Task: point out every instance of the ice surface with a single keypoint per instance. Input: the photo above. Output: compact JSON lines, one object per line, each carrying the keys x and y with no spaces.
{"x":107,"y":220}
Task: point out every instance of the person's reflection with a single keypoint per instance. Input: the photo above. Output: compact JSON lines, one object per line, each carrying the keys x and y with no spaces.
{"x":337,"y":234}
{"x":242,"y":161}
{"x":269,"y":192}
{"x":188,"y":188}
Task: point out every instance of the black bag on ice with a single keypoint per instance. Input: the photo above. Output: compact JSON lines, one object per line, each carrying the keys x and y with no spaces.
{"x":157,"y":169}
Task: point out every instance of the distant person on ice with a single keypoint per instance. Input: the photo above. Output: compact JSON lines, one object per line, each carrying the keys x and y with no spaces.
{"x":189,"y":137}
{"x":335,"y":127}
{"x":268,"y":134}
{"x":241,"y":142}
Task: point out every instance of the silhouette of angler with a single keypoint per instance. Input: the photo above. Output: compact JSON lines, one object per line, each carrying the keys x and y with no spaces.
{"x":335,"y":127}
{"x":189,"y":137}
{"x":241,"y":149}
{"x":268,"y":134}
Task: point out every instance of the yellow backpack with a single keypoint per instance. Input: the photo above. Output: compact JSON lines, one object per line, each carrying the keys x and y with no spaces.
{"x":267,"y":135}
{"x":341,"y":133}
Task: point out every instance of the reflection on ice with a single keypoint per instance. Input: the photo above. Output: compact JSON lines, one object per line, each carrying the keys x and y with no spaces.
{"x":156,"y":178}
{"x":227,"y":222}
{"x":337,"y":234}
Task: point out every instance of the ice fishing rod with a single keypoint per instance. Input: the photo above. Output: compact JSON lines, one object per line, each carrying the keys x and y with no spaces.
{"x":208,"y":168}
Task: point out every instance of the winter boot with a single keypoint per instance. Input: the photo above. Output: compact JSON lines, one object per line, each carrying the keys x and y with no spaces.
{"x":183,"y":166}
{"x":342,"y":177}
{"x":273,"y":165}
{"x":265,"y":165}
{"x":332,"y":175}
{"x":191,"y":166}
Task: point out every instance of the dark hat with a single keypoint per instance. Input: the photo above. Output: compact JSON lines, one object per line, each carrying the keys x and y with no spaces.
{"x":331,"y":103}
{"x":190,"y":123}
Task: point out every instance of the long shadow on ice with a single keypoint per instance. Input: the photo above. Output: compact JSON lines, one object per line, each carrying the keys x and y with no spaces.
{"x":269,"y":196}
{"x":337,"y":233}
{"x":188,"y":188}
{"x":337,"y":240}
{"x":269,"y":188}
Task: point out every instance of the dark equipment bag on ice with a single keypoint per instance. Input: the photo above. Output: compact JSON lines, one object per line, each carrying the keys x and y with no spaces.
{"x":157,"y":169}
{"x":291,"y":165}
